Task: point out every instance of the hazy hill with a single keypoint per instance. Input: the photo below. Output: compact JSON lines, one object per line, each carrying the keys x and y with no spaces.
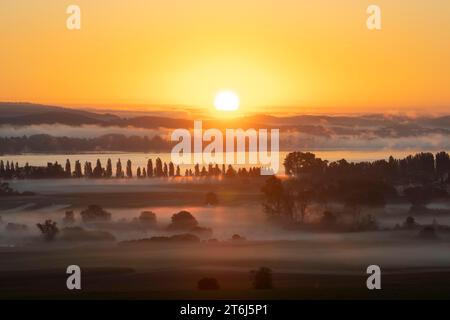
{"x":23,"y":114}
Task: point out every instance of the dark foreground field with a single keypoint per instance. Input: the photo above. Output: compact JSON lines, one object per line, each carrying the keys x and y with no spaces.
{"x":171,"y":271}
{"x":305,"y":264}
{"x":115,"y":283}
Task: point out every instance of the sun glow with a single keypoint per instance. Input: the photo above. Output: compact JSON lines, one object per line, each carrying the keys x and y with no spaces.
{"x":226,"y":101}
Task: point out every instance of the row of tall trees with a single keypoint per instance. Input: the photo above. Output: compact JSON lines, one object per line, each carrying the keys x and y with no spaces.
{"x":11,"y":170}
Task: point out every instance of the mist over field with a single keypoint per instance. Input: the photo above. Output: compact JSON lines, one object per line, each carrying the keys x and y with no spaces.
{"x":308,"y":252}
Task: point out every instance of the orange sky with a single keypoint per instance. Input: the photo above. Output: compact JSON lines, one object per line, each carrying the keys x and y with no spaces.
{"x":279,"y":55}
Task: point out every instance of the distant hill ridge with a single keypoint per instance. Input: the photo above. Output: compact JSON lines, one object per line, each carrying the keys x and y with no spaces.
{"x":23,"y":114}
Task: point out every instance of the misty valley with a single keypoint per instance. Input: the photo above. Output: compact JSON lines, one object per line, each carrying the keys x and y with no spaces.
{"x":216,"y":231}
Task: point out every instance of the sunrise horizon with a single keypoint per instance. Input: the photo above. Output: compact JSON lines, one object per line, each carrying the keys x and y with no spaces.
{"x":180,"y":110}
{"x":165,"y":56}
{"x":225,"y":159}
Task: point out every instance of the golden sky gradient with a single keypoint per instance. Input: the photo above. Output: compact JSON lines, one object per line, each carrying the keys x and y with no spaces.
{"x":291,"y":56}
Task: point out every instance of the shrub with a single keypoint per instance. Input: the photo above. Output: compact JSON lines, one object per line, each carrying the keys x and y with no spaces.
{"x":183,"y":220}
{"x":147,"y":217}
{"x":237,"y":237}
{"x":410,"y":223}
{"x":48,"y":229}
{"x":95,"y":213}
{"x":178,"y":238}
{"x":69,"y":217}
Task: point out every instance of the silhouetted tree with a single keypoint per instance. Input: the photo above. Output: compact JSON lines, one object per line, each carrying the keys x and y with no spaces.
{"x":274,"y":197}
{"x":442,"y":164}
{"x":95,"y":213}
{"x":301,"y":195}
{"x":88,"y":169}
{"x":77,"y":173}
{"x":230,"y":171}
{"x":210,"y":170}
{"x":129,"y":170}
{"x":150,"y":168}
{"x":410,"y":223}
{"x":165,"y":170}
{"x":48,"y":229}
{"x":6,"y":190}
{"x":171,"y":169}
{"x":98,"y":170}
{"x":108,"y":172}
{"x":69,"y":217}
{"x":183,"y":220}
{"x":216,"y":170}
{"x":119,"y":172}
{"x":68,"y":168}
{"x":147,"y":218}
{"x":419,"y":197}
{"x":299,"y":163}
{"x":158,"y":168}
{"x":197,"y":170}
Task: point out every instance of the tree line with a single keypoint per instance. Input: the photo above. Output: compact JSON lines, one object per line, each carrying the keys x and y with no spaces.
{"x":311,"y":180}
{"x":421,"y":167}
{"x":11,"y":170}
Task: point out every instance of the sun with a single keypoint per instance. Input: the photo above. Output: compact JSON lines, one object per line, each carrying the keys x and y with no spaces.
{"x":226,"y":101}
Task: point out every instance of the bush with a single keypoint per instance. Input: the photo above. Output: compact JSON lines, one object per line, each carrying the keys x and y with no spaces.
{"x":208,"y":284}
{"x":262,"y":278}
{"x":410,"y":223}
{"x":178,"y":238}
{"x":237,"y":237}
{"x":183,"y":220}
{"x":48,"y":229}
{"x":69,"y":217}
{"x":147,"y":218}
{"x":95,"y":213}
